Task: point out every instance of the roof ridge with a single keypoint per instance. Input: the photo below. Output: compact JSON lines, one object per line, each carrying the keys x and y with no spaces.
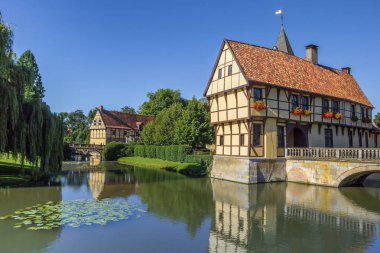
{"x":292,"y":55}
{"x":130,"y":114}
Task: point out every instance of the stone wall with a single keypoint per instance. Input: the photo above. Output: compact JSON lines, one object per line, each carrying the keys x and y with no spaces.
{"x":249,"y":170}
{"x":329,"y":173}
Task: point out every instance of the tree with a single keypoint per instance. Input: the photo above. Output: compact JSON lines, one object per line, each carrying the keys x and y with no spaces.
{"x":377,"y":119}
{"x":194,"y":127}
{"x":33,"y":89}
{"x":28,"y":129}
{"x":161,"y":130}
{"x":77,"y":127}
{"x":128,"y":109}
{"x":160,"y":100}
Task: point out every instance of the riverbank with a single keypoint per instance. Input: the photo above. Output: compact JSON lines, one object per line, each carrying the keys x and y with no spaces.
{"x":188,"y":169}
{"x":10,"y":171}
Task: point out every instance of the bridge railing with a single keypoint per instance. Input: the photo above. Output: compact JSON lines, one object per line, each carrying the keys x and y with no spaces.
{"x":334,"y":153}
{"x":85,"y":146}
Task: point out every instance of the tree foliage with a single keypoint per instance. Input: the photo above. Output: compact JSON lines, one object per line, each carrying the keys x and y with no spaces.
{"x":161,"y":100}
{"x":178,"y":124}
{"x":128,"y":109}
{"x":377,"y":119}
{"x":28,"y":129}
{"x":194,"y":127}
{"x":34,"y":88}
{"x":161,"y":130}
{"x":77,"y":127}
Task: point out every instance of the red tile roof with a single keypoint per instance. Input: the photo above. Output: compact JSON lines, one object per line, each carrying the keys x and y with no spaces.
{"x":273,"y":67}
{"x":115,"y":119}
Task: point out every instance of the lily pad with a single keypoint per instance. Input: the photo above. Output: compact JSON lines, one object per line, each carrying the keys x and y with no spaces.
{"x":73,"y":213}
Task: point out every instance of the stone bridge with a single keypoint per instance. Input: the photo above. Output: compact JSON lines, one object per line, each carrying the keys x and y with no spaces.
{"x":88,"y":149}
{"x":331,"y":166}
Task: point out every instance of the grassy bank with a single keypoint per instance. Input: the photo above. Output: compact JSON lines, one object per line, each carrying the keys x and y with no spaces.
{"x":10,"y":171}
{"x":189,"y":169}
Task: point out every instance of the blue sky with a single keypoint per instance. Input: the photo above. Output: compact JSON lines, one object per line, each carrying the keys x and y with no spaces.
{"x":113,"y":52}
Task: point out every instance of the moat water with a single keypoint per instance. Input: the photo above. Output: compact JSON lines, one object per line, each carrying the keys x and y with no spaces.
{"x":181,"y":214}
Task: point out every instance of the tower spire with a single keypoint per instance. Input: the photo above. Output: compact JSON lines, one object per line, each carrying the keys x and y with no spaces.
{"x":283,"y":43}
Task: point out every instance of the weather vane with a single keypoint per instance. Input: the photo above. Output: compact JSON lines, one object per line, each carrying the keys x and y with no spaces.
{"x":279,"y":12}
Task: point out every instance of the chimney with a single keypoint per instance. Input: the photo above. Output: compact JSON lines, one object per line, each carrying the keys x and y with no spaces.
{"x":100,"y":108}
{"x":312,"y":53}
{"x":347,"y":70}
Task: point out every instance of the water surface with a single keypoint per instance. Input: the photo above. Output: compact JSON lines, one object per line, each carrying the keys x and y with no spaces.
{"x":197,"y":215}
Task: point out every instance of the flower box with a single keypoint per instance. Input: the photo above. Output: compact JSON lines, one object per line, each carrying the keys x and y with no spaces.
{"x":307,"y":112}
{"x":366,"y":120}
{"x":297,"y":111}
{"x":328,"y":115}
{"x":259,"y":105}
{"x":338,"y":116}
{"x":354,"y":118}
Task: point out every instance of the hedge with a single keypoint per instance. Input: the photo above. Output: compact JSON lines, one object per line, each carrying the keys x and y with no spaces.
{"x":175,"y":153}
{"x":114,"y":150}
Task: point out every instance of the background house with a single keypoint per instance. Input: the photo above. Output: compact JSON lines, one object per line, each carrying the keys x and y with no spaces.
{"x":108,"y":126}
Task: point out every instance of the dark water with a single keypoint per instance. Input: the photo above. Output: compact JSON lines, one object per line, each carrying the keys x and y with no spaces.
{"x":198,"y":215}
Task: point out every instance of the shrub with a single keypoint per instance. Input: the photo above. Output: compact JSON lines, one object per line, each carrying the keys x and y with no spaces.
{"x":204,"y":160}
{"x":114,"y":150}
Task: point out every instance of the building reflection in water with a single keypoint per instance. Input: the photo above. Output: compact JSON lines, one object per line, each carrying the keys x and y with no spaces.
{"x":292,"y":218}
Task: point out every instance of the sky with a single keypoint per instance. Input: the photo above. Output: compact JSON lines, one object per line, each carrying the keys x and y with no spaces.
{"x":112,"y":52}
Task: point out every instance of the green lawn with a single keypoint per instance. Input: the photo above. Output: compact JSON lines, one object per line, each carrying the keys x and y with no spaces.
{"x":189,"y":169}
{"x":10,"y":170}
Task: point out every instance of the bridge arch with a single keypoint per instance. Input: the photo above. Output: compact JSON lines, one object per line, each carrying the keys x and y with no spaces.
{"x":356,"y":175}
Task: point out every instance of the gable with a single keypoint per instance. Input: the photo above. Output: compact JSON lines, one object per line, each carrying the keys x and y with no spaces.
{"x":97,"y":121}
{"x":226,"y":82}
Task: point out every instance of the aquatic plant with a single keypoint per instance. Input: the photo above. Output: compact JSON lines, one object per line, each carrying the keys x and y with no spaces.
{"x":73,"y":213}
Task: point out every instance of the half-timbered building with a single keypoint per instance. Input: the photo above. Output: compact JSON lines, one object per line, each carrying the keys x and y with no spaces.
{"x":263,"y":100}
{"x":108,"y":126}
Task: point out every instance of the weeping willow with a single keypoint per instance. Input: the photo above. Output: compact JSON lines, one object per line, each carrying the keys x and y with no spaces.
{"x":28,"y":129}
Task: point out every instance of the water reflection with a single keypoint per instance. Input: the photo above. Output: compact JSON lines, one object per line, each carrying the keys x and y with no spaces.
{"x":22,"y":240}
{"x":199,"y":215}
{"x":292,"y":218}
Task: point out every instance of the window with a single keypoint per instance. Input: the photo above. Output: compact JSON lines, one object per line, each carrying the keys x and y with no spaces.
{"x":350,"y":139}
{"x":113,"y":132}
{"x":353,"y":110}
{"x":257,"y":135}
{"x":367,"y":113}
{"x":257,"y":94}
{"x":362,"y":112}
{"x":221,"y":140}
{"x":229,"y":70}
{"x":295,"y":102}
{"x":125,"y":133}
{"x":242,"y":140}
{"x":329,"y":138}
{"x":325,"y":105}
{"x":280,"y":137}
{"x":220,"y":73}
{"x":305,"y":103}
{"x":94,"y":122}
{"x":360,"y":139}
{"x":366,"y":139}
{"x":336,"y":106}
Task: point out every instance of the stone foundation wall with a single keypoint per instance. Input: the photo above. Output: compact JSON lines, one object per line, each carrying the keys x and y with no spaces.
{"x":249,"y":170}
